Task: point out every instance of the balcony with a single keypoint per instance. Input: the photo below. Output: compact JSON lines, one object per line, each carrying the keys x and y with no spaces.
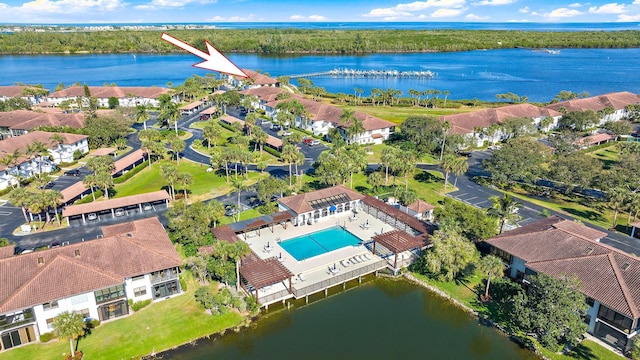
{"x":16,"y":320}
{"x":164,"y":275}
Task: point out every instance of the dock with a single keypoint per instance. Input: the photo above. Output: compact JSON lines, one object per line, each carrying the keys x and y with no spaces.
{"x":358,"y":73}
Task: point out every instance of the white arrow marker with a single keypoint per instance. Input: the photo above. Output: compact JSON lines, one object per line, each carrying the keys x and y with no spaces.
{"x":214,"y":60}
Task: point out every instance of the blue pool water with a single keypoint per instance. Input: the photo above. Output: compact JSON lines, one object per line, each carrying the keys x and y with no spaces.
{"x":310,"y":245}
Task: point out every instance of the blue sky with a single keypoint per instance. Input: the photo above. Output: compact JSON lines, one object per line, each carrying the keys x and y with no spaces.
{"x":220,"y":11}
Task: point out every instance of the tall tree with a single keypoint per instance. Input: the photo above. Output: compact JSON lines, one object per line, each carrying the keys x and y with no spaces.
{"x":237,"y":251}
{"x":552,"y":309}
{"x":237,"y":184}
{"x":71,"y":326}
{"x":20,"y":197}
{"x":90,"y":181}
{"x":142,"y":115}
{"x":184,"y":179}
{"x":169,"y":172}
{"x":447,"y":164}
{"x":505,"y":209}
{"x":177,"y":145}
{"x":289,"y":155}
{"x":450,"y":255}
{"x":492,"y":266}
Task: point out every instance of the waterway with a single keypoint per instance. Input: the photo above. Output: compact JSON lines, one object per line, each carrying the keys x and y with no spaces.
{"x":382,"y":319}
{"x":466,"y":75}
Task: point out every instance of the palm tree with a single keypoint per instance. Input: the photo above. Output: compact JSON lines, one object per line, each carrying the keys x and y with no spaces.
{"x":211,"y":131}
{"x":238,"y":185}
{"x":505,"y":209}
{"x":177,"y":145}
{"x":69,"y":325}
{"x":460,"y":167}
{"x":387,"y":157}
{"x":105,"y":181}
{"x":616,"y":198}
{"x":375,"y":180}
{"x":36,"y":150}
{"x":215,"y":210}
{"x":9,"y":161}
{"x":250,"y":121}
{"x":289,"y":155}
{"x":20,"y":197}
{"x":142,"y":115}
{"x":57,"y":140}
{"x":170,"y":174}
{"x":447,"y":164}
{"x":54,"y":198}
{"x":493,"y":267}
{"x":183,"y":180}
{"x":170,"y":115}
{"x":446,"y":95}
{"x":90,"y":181}
{"x":445,"y":128}
{"x":237,"y":251}
{"x":260,"y":137}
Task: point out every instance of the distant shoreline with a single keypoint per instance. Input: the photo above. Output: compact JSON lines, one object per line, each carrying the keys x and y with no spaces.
{"x":309,"y":41}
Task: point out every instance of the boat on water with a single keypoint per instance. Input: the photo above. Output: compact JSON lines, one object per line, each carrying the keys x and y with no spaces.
{"x":548,"y":51}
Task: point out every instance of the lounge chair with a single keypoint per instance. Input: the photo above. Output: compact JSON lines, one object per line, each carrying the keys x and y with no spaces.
{"x":353,"y":260}
{"x":302,"y":278}
{"x":362,"y":258}
{"x":344,"y":263}
{"x":368,"y":256}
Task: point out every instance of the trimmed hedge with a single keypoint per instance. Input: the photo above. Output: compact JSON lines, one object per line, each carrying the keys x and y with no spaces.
{"x":227,"y":126}
{"x":140,"y":304}
{"x":87,"y":199}
{"x":272,"y":151}
{"x":131,"y":173}
{"x":46,"y":337}
{"x":183,"y":284}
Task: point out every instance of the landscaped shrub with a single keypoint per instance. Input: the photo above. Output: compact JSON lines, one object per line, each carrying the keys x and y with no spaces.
{"x":140,"y":304}
{"x":46,"y":337}
{"x":77,"y":155}
{"x":89,"y":198}
{"x":130,"y":173}
{"x":67,"y":164}
{"x":272,"y":151}
{"x":93,"y":323}
{"x":227,"y":126}
{"x":183,"y":284}
{"x":77,"y":356}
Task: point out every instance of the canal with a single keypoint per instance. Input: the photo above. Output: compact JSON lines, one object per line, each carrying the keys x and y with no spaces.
{"x":381,"y":319}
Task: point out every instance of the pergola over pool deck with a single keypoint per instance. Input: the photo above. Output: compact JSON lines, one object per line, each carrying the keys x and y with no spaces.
{"x":398,"y":241}
{"x":245,"y":226}
{"x":394,"y":217}
{"x":260,"y":273}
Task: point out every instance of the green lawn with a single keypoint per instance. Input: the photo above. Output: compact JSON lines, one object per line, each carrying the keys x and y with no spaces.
{"x":205,"y":184}
{"x":159,"y":326}
{"x":399,"y":114}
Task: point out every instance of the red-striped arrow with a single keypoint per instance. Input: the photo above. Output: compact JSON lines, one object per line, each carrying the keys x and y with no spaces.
{"x":214,"y":60}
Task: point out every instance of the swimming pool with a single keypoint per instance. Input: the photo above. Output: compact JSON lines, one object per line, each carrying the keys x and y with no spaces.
{"x":320,"y":242}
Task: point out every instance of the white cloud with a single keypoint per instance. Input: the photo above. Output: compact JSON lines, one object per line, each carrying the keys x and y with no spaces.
{"x":66,"y":6}
{"x":408,"y":9}
{"x":250,"y":17}
{"x":447,"y":12}
{"x":310,"y":17}
{"x":169,"y":4}
{"x":612,"y":8}
{"x":494,"y":2}
{"x":636,"y":2}
{"x":476,"y":17}
{"x":563,"y":13}
{"x":575,"y":5}
{"x":524,"y":10}
{"x":628,"y":18}
{"x":534,"y":13}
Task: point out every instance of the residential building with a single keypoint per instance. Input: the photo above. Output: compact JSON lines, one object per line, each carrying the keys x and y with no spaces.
{"x":467,"y":124}
{"x":609,"y":107}
{"x":320,"y":205}
{"x":255,"y":80}
{"x":128,"y":96}
{"x":133,"y":261}
{"x":265,"y":94}
{"x":322,"y":117}
{"x":26,"y":166}
{"x":22,"y":91}
{"x":20,"y":122}
{"x":609,"y":278}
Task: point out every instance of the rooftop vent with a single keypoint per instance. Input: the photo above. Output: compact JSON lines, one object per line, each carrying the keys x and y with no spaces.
{"x":625,"y":266}
{"x":588,"y":251}
{"x":76,"y":252}
{"x":129,"y":235}
{"x":40,"y":260}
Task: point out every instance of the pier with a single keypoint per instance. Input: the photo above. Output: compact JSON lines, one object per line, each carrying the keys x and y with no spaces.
{"x":427,"y":74}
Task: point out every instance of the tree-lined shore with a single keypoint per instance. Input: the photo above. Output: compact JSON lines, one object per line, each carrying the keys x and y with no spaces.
{"x":301,"y":41}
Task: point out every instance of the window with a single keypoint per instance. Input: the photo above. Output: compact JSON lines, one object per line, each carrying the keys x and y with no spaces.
{"x":84,"y":313}
{"x":111,"y":293}
{"x":50,"y":305}
{"x":79,"y":299}
{"x":590,"y":302}
{"x":140,"y":291}
{"x":613,"y":318}
{"x":137,"y":278}
{"x":50,"y":323}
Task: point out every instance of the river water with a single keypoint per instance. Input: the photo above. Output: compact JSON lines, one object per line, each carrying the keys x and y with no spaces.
{"x":466,"y":75}
{"x":382,"y":319}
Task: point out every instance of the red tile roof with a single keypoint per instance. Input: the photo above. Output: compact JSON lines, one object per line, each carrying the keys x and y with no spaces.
{"x":264,"y":93}
{"x":97,"y":206}
{"x":259,"y":78}
{"x":300,"y":203}
{"x":102,"y":152}
{"x":192,"y":105}
{"x":15,"y":91}
{"x":261,"y":273}
{"x":595,"y":139}
{"x":399,"y":241}
{"x":617,"y":100}
{"x":421,"y":206}
{"x":73,"y":191}
{"x":466,"y":122}
{"x":104,"y":92}
{"x":99,"y":264}
{"x":556,"y":246}
{"x":128,"y":160}
{"x":20,"y":143}
{"x":27,"y":120}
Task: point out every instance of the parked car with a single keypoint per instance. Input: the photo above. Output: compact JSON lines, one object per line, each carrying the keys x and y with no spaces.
{"x":119,"y":212}
{"x":286,"y":133}
{"x":54,"y":245}
{"x":147,"y":207}
{"x":307,"y":140}
{"x":231,"y":211}
{"x":275,"y":127}
{"x":74,"y":172}
{"x":314,"y":142}
{"x":92,"y":216}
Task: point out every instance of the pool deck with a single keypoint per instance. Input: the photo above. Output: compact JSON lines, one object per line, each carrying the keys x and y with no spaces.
{"x":316,"y":270}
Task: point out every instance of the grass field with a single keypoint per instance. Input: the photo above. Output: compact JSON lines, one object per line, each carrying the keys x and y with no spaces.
{"x":399,"y":114}
{"x":157,"y":327}
{"x":205,"y":184}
